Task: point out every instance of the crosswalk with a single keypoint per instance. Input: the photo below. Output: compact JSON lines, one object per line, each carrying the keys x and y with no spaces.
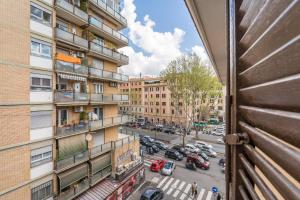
{"x":180,"y":190}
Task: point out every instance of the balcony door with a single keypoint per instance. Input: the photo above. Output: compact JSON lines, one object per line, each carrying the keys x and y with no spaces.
{"x":62,"y":117}
{"x":98,"y":88}
{"x":99,"y":112}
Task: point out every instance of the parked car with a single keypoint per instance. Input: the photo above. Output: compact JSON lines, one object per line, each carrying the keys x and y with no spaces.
{"x":201,"y":143}
{"x":168,"y":130}
{"x":222,"y":162}
{"x":220,"y":141}
{"x":191,"y":148}
{"x":150,"y":139}
{"x":157,"y":165}
{"x":160,"y":145}
{"x":190,"y":165}
{"x":143,"y":141}
{"x":199,"y":161}
{"x":204,"y":156}
{"x":181,"y":150}
{"x":171,"y":153}
{"x":209,"y":152}
{"x":168,"y":168}
{"x":151,"y":193}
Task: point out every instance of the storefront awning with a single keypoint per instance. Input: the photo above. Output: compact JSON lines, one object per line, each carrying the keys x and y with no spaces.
{"x":71,"y":77}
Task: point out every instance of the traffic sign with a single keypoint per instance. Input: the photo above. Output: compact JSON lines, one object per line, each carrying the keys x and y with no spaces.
{"x":214,"y":189}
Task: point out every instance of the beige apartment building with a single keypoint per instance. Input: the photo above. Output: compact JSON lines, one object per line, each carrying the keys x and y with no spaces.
{"x":58,"y":101}
{"x":151,"y":99}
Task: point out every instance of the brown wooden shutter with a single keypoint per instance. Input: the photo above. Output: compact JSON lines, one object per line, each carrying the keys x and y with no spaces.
{"x":264,"y":85}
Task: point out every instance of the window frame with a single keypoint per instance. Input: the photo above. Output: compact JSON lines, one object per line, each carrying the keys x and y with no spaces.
{"x":44,"y":158}
{"x":38,"y":18}
{"x":41,"y":45}
{"x":40,"y":87}
{"x":42,"y":195}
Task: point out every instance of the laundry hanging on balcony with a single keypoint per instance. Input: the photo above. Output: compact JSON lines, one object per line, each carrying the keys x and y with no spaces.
{"x":72,"y":77}
{"x":66,"y":58}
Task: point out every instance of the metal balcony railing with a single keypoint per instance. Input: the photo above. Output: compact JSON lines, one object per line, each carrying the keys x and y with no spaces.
{"x":70,"y":96}
{"x":72,"y":9}
{"x":74,"y":191}
{"x":72,"y":129}
{"x":109,"y":98}
{"x":102,"y":74}
{"x":71,"y":67}
{"x":100,"y":25}
{"x":126,"y":140}
{"x":114,"y":13}
{"x":71,"y":38}
{"x":98,"y":150}
{"x":97,"y":48}
{"x":110,"y":121}
{"x":101,"y":174}
{"x":72,"y":160}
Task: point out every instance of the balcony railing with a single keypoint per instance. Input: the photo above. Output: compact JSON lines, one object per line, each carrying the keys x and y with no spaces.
{"x":74,"y":191}
{"x":71,"y":38}
{"x":126,"y":140}
{"x":72,"y":9}
{"x":72,"y":129}
{"x":109,"y":98}
{"x":103,"y":148}
{"x":115,"y":14}
{"x":97,"y":48}
{"x":71,"y":67}
{"x":100,"y":175}
{"x":98,"y":24}
{"x":70,"y":96}
{"x":72,"y":160}
{"x":98,"y":73}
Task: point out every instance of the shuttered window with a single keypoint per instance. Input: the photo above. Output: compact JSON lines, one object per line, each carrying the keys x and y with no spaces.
{"x":41,"y":155}
{"x":265,"y":77}
{"x":41,"y":119}
{"x":42,"y":192}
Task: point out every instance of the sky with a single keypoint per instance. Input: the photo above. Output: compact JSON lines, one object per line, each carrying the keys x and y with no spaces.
{"x":159,"y":31}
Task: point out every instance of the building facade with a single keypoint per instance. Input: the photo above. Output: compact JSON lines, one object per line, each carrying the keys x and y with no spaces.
{"x":58,"y":99}
{"x":151,"y":99}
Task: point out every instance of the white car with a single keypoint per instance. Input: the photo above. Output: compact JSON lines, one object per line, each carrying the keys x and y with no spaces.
{"x":204,"y":144}
{"x":220,"y":141}
{"x":168,"y":168}
{"x":191,"y":148}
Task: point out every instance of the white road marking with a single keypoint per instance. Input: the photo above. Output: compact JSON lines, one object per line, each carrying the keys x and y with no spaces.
{"x":162,"y":182}
{"x":174,"y":185}
{"x":188,"y":187}
{"x":181,"y":185}
{"x":155,"y":179}
{"x":168,"y":183}
{"x":170,"y":191}
{"x":176,"y":193}
{"x":201,"y":194}
{"x":182,"y":196}
{"x":209,"y":194}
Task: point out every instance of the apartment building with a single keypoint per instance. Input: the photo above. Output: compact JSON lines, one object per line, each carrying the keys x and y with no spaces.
{"x":151,"y":99}
{"x":58,"y":101}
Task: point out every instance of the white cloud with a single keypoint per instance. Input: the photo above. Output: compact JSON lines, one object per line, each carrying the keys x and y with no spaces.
{"x":200,"y":51}
{"x":160,"y":47}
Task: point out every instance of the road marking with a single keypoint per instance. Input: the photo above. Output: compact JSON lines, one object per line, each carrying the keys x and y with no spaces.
{"x":188,"y":187}
{"x":181,"y":185}
{"x":201,"y":194}
{"x":175,"y":184}
{"x":170,"y":191}
{"x":162,"y":182}
{"x":168,"y":183}
{"x":176,"y":193}
{"x":182,"y":196}
{"x":155,"y":179}
{"x":209,"y":194}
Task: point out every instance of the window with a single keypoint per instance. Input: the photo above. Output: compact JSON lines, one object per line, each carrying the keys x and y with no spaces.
{"x":98,"y":64}
{"x":212,"y":107}
{"x":113,"y":84}
{"x":62,"y":25}
{"x":157,"y":103}
{"x":40,"y":14}
{"x":98,"y":88}
{"x":42,"y":192}
{"x":220,"y":100}
{"x":151,"y":110}
{"x":40,"y":48}
{"x":146,"y":103}
{"x":172,"y":104}
{"x":163,"y":88}
{"x":157,"y":88}
{"x":41,"y":156}
{"x":157,"y":110}
{"x":157,"y":95}
{"x":40,"y":82}
{"x":164,"y":111}
{"x":146,"y":110}
{"x":173,"y":112}
{"x":62,"y":117}
{"x":151,"y":96}
{"x":180,"y":112}
{"x":145,"y":95}
{"x":40,"y":119}
{"x":180,"y":103}
{"x":163,"y":95}
{"x":163,"y":103}
{"x":220,"y":108}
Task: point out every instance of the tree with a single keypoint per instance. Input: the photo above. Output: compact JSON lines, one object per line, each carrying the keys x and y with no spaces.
{"x":190,"y":81}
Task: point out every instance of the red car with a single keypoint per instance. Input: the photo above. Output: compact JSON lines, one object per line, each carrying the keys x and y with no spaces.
{"x":199,"y":161}
{"x":157,"y":165}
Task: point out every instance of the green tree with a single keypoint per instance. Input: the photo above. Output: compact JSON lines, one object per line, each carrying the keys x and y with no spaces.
{"x":190,"y":81}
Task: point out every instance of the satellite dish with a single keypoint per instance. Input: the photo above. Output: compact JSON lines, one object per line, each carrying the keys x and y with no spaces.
{"x":88,"y":137}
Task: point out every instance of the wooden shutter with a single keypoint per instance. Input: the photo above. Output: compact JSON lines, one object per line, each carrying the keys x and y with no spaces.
{"x":264,"y":82}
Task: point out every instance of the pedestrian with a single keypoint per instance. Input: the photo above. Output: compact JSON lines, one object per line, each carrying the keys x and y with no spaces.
{"x":194,"y":189}
{"x":219,"y":196}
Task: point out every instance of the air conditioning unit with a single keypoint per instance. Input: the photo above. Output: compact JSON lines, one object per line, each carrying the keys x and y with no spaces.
{"x":78,"y":109}
{"x":80,"y":55}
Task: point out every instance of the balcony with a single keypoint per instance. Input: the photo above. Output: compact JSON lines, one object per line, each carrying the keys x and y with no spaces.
{"x":71,"y":13}
{"x":105,"y":31}
{"x":68,"y":130}
{"x":101,"y":175}
{"x":101,"y":149}
{"x":99,"y":6}
{"x":102,"y":52}
{"x":70,"y":40}
{"x":70,"y":97}
{"x":72,"y":192}
{"x":67,"y":67}
{"x":106,"y":75}
{"x":109,"y":99}
{"x":126,"y":140}
{"x":71,"y":161}
{"x":108,"y":122}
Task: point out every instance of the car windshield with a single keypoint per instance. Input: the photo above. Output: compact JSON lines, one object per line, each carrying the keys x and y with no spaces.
{"x":176,"y":153}
{"x":168,"y":165}
{"x":201,"y":160}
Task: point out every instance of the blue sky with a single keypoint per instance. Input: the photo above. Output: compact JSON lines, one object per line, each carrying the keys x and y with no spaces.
{"x":159,"y":31}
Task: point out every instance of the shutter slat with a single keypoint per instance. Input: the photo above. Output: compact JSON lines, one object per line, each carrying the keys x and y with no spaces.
{"x":248,"y":185}
{"x":280,"y":32}
{"x":245,"y":6}
{"x":284,"y":62}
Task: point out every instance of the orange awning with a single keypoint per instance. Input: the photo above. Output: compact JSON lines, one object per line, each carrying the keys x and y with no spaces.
{"x":71,"y":59}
